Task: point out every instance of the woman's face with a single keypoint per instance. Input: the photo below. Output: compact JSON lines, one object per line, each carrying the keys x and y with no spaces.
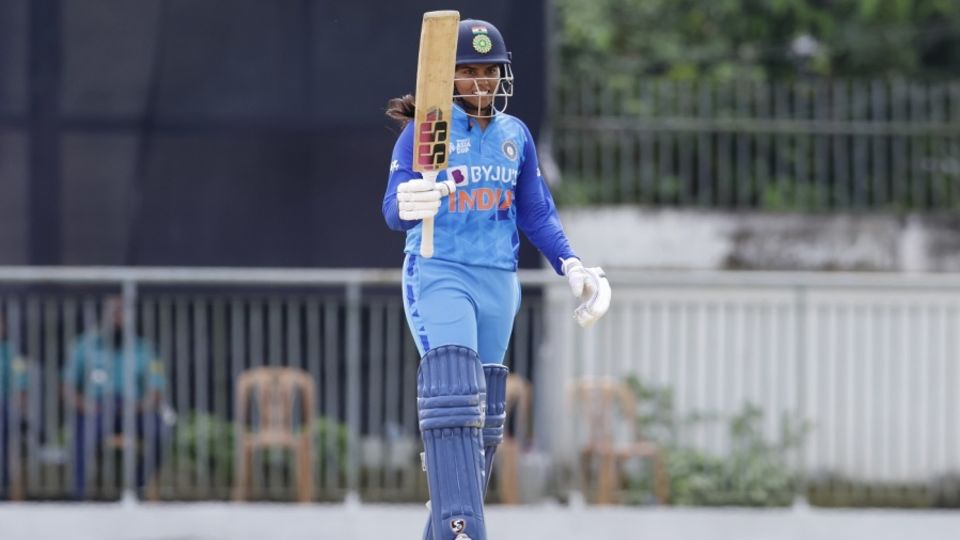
{"x":476,"y":84}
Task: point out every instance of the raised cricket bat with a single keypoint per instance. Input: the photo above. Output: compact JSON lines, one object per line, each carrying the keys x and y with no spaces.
{"x":434,"y":102}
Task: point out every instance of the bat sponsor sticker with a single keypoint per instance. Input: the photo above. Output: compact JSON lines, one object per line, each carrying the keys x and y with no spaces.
{"x":432,"y":136}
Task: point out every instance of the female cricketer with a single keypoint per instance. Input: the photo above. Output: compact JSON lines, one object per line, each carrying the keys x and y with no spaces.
{"x":460,"y":304}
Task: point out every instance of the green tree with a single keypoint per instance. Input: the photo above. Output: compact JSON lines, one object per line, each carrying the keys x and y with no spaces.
{"x":687,"y":39}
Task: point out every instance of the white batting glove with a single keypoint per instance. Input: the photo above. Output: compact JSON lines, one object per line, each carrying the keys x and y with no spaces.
{"x":590,"y":285}
{"x":420,"y":199}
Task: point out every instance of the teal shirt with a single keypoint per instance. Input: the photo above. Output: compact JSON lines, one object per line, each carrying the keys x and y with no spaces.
{"x":13,"y":371}
{"x":96,"y":369}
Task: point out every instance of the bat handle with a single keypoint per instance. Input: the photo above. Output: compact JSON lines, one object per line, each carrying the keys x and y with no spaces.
{"x":426,"y":232}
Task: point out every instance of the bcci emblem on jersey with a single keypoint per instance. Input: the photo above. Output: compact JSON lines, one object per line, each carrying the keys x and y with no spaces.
{"x":509,"y":150}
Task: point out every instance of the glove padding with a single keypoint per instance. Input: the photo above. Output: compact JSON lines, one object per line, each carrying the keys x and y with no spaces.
{"x":590,"y":285}
{"x":420,"y":199}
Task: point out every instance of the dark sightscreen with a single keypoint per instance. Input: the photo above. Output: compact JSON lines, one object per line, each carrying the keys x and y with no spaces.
{"x":223,"y":132}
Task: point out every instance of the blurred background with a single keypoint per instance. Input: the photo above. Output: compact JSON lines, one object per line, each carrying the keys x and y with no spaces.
{"x":199,"y":299}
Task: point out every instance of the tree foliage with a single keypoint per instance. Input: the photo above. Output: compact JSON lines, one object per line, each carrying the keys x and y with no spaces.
{"x":723,"y":39}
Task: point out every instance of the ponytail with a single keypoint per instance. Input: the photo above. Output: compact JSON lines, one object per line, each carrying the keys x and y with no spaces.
{"x":401,"y":109}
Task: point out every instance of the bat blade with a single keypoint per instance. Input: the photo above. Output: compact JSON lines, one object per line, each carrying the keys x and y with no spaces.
{"x":434,"y":102}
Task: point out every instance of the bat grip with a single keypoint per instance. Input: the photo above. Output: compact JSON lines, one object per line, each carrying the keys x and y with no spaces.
{"x":426,"y":232}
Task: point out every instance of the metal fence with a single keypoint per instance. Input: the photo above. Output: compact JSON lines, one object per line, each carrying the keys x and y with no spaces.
{"x":803,"y":145}
{"x":72,"y":335}
{"x":869,"y":362}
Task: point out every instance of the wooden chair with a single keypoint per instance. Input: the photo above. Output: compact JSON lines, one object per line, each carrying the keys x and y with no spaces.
{"x":607,"y":409}
{"x":508,"y":455}
{"x":274,"y":391}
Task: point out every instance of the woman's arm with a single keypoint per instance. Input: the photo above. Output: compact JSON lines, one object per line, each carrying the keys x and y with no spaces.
{"x":536,"y":213}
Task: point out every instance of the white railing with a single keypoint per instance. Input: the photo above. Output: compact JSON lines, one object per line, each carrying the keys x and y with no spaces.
{"x":871,"y":362}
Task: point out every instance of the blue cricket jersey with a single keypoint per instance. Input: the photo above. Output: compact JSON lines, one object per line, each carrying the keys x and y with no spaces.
{"x":499,"y":188}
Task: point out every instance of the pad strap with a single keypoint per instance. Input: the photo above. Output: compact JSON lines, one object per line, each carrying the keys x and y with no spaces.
{"x":496,"y":377}
{"x":493,"y":426}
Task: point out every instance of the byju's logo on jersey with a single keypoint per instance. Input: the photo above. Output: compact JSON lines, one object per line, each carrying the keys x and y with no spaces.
{"x":465,"y":174}
{"x":458,"y":174}
{"x":509,"y":150}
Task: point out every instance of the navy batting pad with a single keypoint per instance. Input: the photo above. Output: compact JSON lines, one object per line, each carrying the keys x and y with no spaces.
{"x":451,"y":398}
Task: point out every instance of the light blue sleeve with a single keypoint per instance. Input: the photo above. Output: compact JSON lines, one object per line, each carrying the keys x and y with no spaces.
{"x":21,"y":374}
{"x":73,"y":370}
{"x":5,"y":367}
{"x":154,"y":370}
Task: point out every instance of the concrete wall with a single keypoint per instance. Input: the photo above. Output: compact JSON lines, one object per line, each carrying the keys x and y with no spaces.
{"x":633,"y":237}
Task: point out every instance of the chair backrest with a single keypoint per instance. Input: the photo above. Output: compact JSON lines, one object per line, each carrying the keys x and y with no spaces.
{"x":274,"y":392}
{"x":607,"y":408}
{"x":518,"y":405}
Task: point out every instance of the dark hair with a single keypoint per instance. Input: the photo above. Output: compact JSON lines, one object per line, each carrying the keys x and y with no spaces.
{"x":401,"y":109}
